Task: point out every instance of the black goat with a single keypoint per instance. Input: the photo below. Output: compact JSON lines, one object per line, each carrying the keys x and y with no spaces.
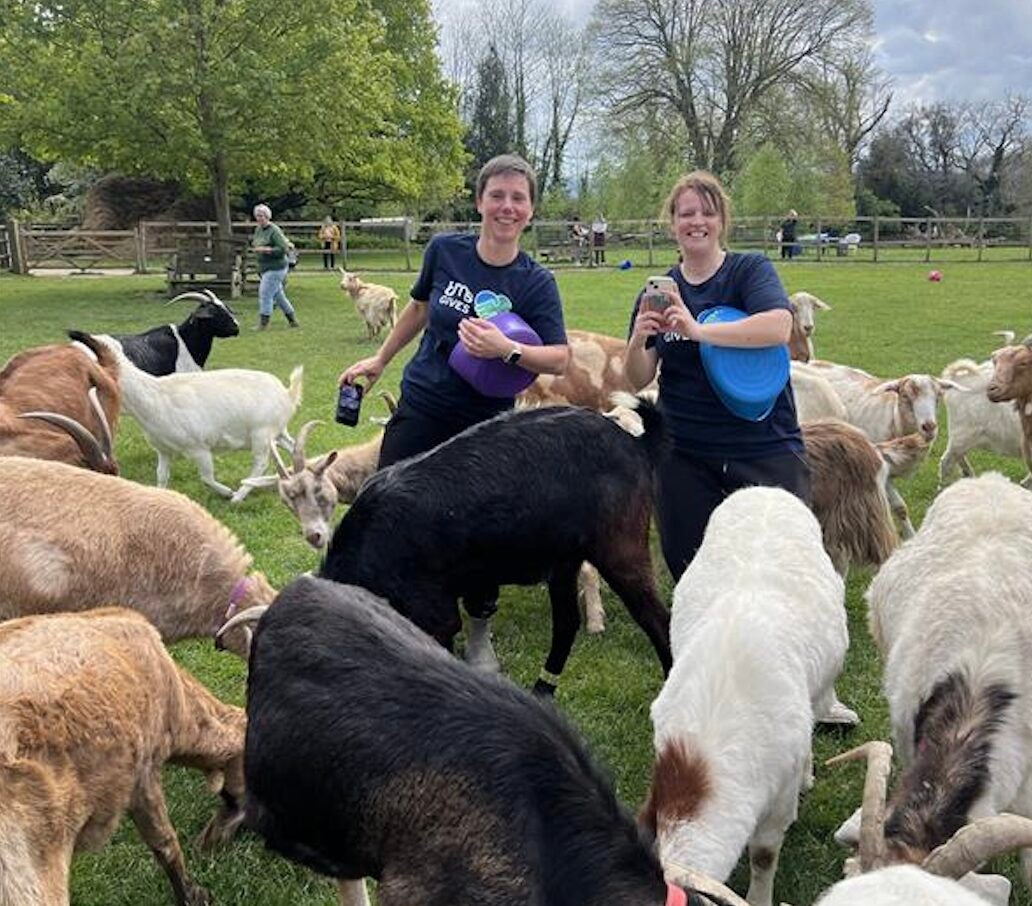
{"x":371,"y":752}
{"x":183,"y":347}
{"x":523,"y":498}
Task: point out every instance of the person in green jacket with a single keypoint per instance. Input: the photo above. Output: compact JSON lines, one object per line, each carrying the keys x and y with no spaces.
{"x":270,"y":246}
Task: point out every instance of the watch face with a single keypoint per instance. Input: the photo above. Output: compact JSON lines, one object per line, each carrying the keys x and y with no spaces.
{"x":513,"y":357}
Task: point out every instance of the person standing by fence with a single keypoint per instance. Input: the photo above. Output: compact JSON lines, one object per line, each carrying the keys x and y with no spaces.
{"x":329,"y":236}
{"x":270,"y":247}
{"x":599,"y":228}
{"x":788,"y":235}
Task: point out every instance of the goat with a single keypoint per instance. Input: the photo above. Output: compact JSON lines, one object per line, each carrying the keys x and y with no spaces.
{"x":951,"y":613}
{"x":1010,"y":381}
{"x":800,"y":342}
{"x":91,"y":707}
{"x":758,"y":635}
{"x":372,"y":753}
{"x":72,"y":398}
{"x":814,"y":397}
{"x":884,"y":409}
{"x":183,"y":347}
{"x":194,"y":413}
{"x":72,"y":539}
{"x":522,"y":498}
{"x":595,"y":373}
{"x":378,"y":305}
{"x":976,"y":423}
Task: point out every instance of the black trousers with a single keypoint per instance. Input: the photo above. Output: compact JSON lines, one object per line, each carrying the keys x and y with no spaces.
{"x":327,"y":258}
{"x":690,"y":488}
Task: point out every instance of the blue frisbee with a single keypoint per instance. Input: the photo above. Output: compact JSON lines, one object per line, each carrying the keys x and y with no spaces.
{"x":748,"y":381}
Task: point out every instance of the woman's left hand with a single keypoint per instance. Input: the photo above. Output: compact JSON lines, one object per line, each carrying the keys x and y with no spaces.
{"x":483,"y":339}
{"x":678,"y":319}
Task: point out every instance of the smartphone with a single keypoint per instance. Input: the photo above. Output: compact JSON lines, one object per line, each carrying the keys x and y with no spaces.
{"x":654,"y":297}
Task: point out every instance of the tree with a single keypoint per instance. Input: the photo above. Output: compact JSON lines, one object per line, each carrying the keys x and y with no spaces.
{"x":707,"y":65}
{"x":491,"y":126}
{"x":764,"y":184}
{"x":216,"y":92}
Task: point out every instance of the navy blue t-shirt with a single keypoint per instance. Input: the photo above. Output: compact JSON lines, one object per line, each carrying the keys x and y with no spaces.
{"x":698,"y":421}
{"x":452,"y":275}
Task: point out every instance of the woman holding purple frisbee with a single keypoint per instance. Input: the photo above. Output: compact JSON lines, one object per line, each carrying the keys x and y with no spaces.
{"x":465,"y":280}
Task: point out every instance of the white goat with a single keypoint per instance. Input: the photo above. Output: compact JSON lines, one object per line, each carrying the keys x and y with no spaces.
{"x":758,"y":636}
{"x":900,"y":885}
{"x":814,"y":397}
{"x":951,"y":613}
{"x":378,"y":305}
{"x":194,"y":413}
{"x":800,"y":342}
{"x":976,"y":423}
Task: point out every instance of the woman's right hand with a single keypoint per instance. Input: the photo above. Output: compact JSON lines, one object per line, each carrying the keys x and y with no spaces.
{"x":370,"y":369}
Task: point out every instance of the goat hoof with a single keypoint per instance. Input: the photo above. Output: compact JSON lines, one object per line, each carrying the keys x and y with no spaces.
{"x":543,"y":690}
{"x":840,"y":715}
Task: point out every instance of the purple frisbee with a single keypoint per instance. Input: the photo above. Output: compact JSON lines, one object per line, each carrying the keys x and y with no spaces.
{"x":492,"y":377}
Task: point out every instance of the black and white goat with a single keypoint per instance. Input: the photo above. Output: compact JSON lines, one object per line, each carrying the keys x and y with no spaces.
{"x":180,"y":347}
{"x":526,"y":497}
{"x":372,"y":753}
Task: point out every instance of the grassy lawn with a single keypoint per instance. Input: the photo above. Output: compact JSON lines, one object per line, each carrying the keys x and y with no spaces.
{"x":887,"y":319}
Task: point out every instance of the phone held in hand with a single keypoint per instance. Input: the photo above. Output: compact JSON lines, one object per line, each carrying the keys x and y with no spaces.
{"x":654,"y":297}
{"x":349,"y":402}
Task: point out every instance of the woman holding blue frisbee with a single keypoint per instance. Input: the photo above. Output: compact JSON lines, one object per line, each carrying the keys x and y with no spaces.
{"x":720,"y":443}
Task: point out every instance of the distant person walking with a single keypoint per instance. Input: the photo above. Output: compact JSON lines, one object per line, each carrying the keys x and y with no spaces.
{"x":270,"y":247}
{"x":788,"y":235}
{"x":599,"y":227}
{"x":329,"y":235}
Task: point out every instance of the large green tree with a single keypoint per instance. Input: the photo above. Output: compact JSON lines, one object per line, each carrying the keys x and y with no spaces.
{"x":216,"y":92}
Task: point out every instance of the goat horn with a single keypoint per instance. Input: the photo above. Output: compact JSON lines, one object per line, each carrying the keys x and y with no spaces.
{"x":872,"y":810}
{"x":281,"y":466}
{"x":1027,"y":341}
{"x":107,"y":443}
{"x":1006,"y":335}
{"x":299,"y":444}
{"x":978,"y":842}
{"x":249,"y":617}
{"x":92,"y":450}
{"x":700,"y":883}
{"x":192,"y":294}
{"x":389,"y":400}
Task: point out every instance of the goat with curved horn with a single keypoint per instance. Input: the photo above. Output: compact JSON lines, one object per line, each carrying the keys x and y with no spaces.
{"x":702,"y":884}
{"x":872,"y":812}
{"x":977,"y":842}
{"x":300,"y":441}
{"x":247,"y":619}
{"x":99,"y":454}
{"x":195,"y":295}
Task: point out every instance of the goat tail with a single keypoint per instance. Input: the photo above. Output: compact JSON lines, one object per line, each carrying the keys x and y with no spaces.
{"x":106,"y":357}
{"x":294,"y":390}
{"x":960,"y":368}
{"x":654,"y":436}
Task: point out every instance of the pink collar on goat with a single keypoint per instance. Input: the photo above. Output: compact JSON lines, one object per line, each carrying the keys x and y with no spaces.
{"x":239,"y":592}
{"x":675,"y":896}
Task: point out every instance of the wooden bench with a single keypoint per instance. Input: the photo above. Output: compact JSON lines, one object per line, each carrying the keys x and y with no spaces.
{"x":216,"y":264}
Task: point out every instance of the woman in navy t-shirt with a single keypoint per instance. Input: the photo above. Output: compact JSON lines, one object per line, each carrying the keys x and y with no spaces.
{"x":714,"y":452}
{"x":436,"y":402}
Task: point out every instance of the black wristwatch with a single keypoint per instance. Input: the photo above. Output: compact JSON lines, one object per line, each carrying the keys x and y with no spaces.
{"x":513,"y":358}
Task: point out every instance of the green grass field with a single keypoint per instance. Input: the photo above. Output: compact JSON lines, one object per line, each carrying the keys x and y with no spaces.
{"x":887,"y":319}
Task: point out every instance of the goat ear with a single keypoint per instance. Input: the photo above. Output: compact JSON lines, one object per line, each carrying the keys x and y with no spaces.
{"x":945,"y":384}
{"x":821,"y":304}
{"x":647,"y":820}
{"x":323,"y":464}
{"x":889,"y":386}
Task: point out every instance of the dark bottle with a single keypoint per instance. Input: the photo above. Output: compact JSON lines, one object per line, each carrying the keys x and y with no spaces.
{"x":348,"y":404}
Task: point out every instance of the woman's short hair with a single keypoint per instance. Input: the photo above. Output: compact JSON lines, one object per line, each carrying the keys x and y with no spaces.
{"x":503,"y":164}
{"x":262,"y":209}
{"x":710,"y":189}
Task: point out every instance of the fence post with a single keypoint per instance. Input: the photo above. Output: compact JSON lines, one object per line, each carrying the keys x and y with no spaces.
{"x":874,"y":238}
{"x":408,"y":244}
{"x":344,"y":244}
{"x":928,"y":239}
{"x":820,"y":243}
{"x":649,"y":225}
{"x":981,"y":236}
{"x":140,"y":244}
{"x":19,"y":260}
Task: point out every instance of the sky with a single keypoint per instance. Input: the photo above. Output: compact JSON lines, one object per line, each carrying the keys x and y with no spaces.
{"x":933,"y":49}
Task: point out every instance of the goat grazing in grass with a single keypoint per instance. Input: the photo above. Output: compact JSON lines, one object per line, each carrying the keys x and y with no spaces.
{"x":372,"y":753}
{"x":91,"y":708}
{"x":72,"y":539}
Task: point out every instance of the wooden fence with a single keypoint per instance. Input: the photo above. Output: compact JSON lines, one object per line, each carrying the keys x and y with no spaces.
{"x":396,"y":244}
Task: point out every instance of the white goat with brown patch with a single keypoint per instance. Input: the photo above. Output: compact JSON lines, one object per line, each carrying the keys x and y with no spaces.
{"x":72,"y":539}
{"x":758,"y":636}
{"x":91,"y":707}
{"x":61,"y":403}
{"x":377,"y":305}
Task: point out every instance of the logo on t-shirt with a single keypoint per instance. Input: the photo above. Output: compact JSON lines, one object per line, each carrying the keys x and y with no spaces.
{"x":487,"y":304}
{"x":458,"y":296}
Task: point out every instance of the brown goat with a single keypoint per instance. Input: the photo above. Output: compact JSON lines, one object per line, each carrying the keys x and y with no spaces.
{"x":1012,"y":380}
{"x":72,"y":539}
{"x":57,"y":380}
{"x":91,"y":707}
{"x":595,"y":373}
{"x":848,"y":476}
